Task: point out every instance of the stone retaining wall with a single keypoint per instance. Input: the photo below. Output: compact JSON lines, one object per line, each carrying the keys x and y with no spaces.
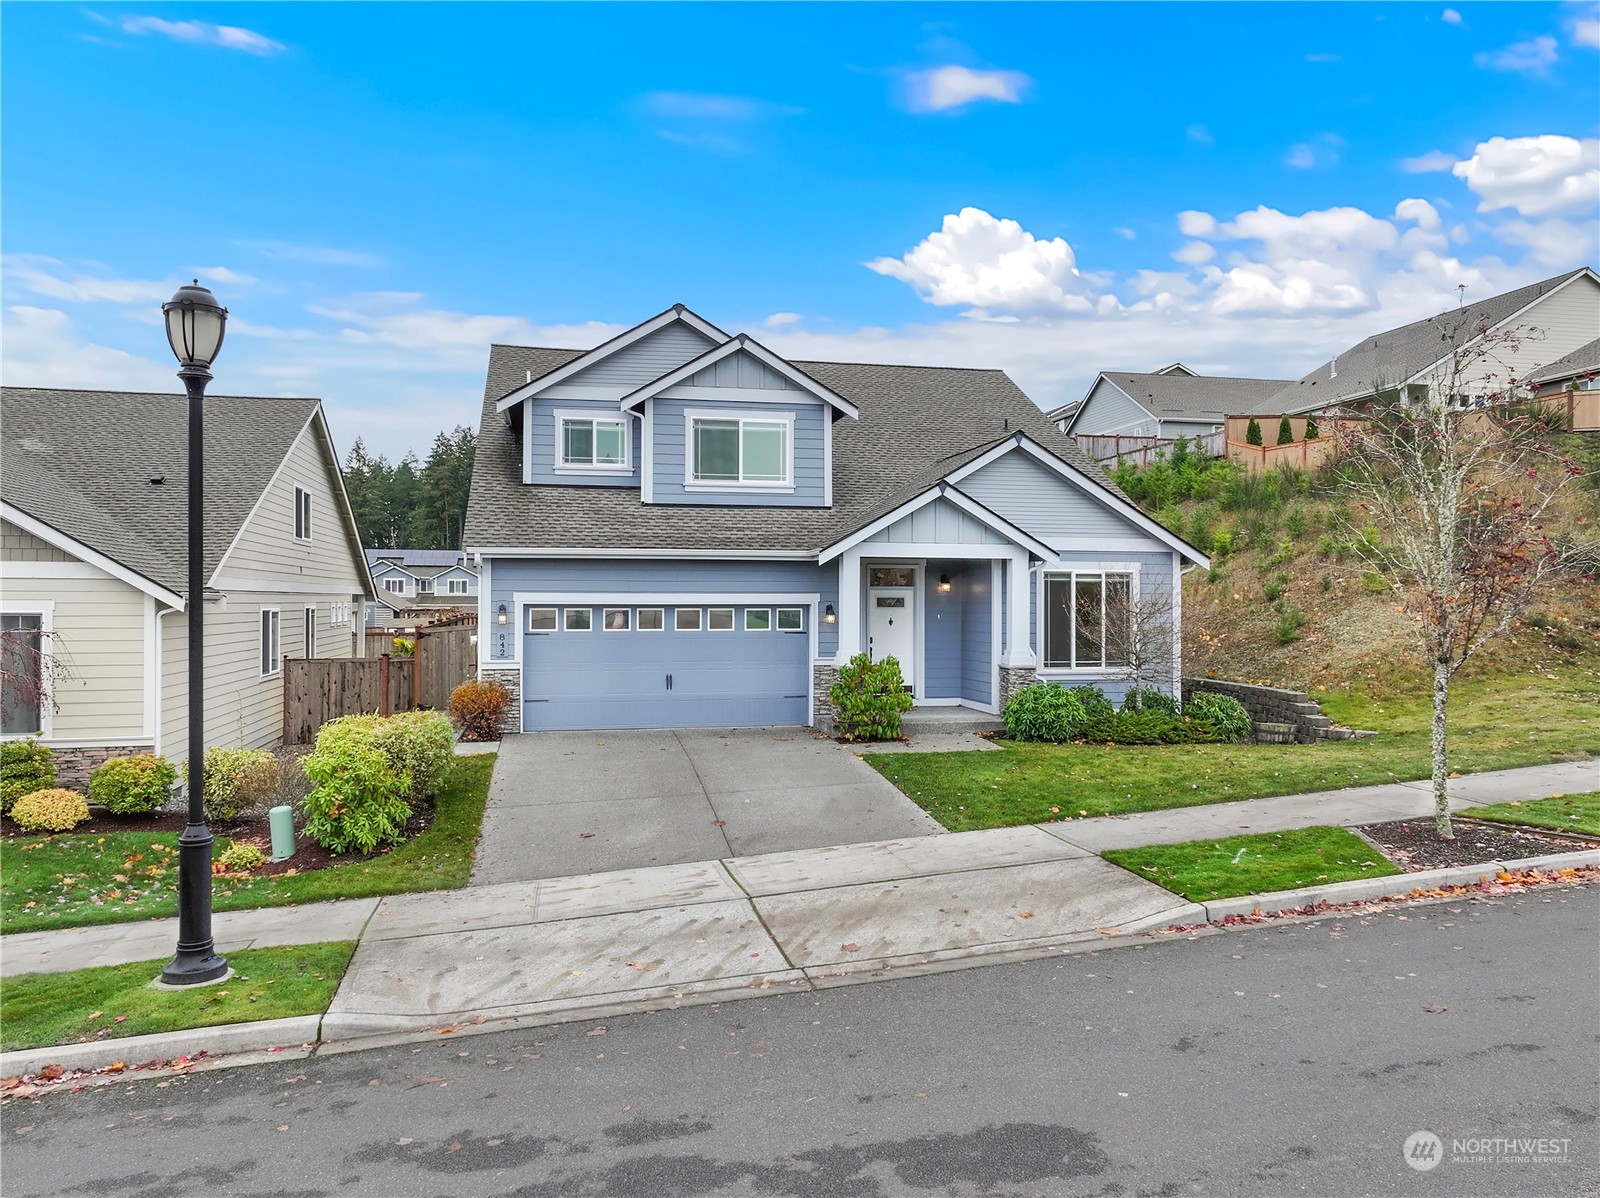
{"x":1295,"y":710}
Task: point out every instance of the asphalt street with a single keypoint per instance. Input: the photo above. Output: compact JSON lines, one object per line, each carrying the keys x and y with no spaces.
{"x":1289,"y":1059}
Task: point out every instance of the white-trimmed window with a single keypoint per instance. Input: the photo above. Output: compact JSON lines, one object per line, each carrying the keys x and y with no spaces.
{"x":1076,"y":610}
{"x":395,"y":586}
{"x":720,"y":619}
{"x":24,"y":684}
{"x":617,"y":619}
{"x":541,"y":619}
{"x":651,"y":619}
{"x":310,"y":641}
{"x":579,"y":619}
{"x":271,"y":665}
{"x":758,"y":619}
{"x":302,"y":514}
{"x":587,"y":442}
{"x":740,"y":450}
{"x":791,"y":619}
{"x":455,"y":586}
{"x":424,"y":586}
{"x":686,"y":619}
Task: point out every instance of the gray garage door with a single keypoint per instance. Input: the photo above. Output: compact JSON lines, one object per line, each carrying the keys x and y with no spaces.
{"x":610,"y":667}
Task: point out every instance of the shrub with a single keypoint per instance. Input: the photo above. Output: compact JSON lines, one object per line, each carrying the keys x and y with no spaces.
{"x":1046,"y":711}
{"x":1252,"y":432}
{"x":1272,"y":591}
{"x":238,"y":858}
{"x":358,"y":801}
{"x":403,"y":646}
{"x":1326,"y":545}
{"x":1295,"y":522}
{"x":1147,"y":728}
{"x":132,"y":785}
{"x":419,"y":745}
{"x":25,"y":766}
{"x":53,"y":810}
{"x":1202,"y":528}
{"x":238,"y":781}
{"x":479,"y":708}
{"x":1148,"y":699}
{"x":1226,"y":715}
{"x":1373,"y":583}
{"x":1285,"y":431}
{"x":1290,"y":620}
{"x":1094,"y":701}
{"x":869,"y":697}
{"x":1222,"y":543}
{"x":1327,"y":583}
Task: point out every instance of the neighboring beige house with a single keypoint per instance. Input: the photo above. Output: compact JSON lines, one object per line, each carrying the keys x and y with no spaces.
{"x":93,"y":520}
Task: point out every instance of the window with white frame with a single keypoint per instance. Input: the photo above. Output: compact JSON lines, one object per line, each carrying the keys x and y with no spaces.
{"x":791,"y":619}
{"x":1078,"y":608}
{"x":269,"y":642}
{"x":720,"y":619}
{"x":22,"y":682}
{"x":758,"y":619}
{"x":424,"y":586}
{"x":455,"y":586}
{"x":651,"y":619}
{"x":541,"y":619}
{"x":302,"y":514}
{"x":395,"y":586}
{"x":686,"y":619}
{"x":579,"y":619}
{"x":310,"y":639}
{"x":591,"y":442}
{"x":739,"y":451}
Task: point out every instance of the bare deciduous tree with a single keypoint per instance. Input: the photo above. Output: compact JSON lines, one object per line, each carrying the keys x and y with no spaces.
{"x":1458,"y":482}
{"x":32,"y":669}
{"x":1140,"y":635}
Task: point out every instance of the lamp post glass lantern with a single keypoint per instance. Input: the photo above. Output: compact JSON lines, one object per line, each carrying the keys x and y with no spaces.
{"x":195,"y":325}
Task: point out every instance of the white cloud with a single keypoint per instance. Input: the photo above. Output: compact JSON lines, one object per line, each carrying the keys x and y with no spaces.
{"x":1125,"y":233}
{"x":1322,"y":151}
{"x":221,"y":274}
{"x":318,"y":255}
{"x":1432,"y":161}
{"x":1195,"y":252}
{"x":229,"y":37}
{"x":1422,"y":213}
{"x":949,"y":87}
{"x":1196,"y":224}
{"x":42,"y":349}
{"x":1301,"y":156}
{"x":780,"y":320}
{"x":1584,"y":26}
{"x":1200,"y":134}
{"x":1450,"y":17}
{"x":705,"y":121}
{"x":1555,"y":244}
{"x":1532,"y":57}
{"x":979,"y":261}
{"x":48,"y":277}
{"x":1548,"y":175}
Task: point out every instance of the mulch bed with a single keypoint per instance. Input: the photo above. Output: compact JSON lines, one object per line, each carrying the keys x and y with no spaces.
{"x":1413,"y":845}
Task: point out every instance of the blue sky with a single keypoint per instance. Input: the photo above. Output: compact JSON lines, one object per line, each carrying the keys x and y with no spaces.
{"x":377,"y":191}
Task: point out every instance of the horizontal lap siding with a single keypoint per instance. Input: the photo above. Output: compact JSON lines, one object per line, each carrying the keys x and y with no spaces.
{"x":99,"y":639}
{"x":509,"y":576}
{"x":669,"y":430}
{"x":1108,"y":411}
{"x":1037,"y":499}
{"x":543,"y":438}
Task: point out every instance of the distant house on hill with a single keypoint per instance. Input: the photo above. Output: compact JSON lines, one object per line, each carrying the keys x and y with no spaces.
{"x":419,"y":581}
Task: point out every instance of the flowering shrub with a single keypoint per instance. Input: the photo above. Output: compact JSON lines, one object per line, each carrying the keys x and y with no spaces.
{"x":479,"y":708}
{"x":869,"y":697}
{"x":132,"y":785}
{"x":25,"y":766}
{"x":53,"y":810}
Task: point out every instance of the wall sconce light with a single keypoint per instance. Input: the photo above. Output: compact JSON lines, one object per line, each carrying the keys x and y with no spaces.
{"x":829,"y":616}
{"x":944,"y":583}
{"x":500,"y":615}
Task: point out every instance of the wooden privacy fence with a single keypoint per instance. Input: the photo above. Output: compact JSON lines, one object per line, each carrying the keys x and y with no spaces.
{"x":319,"y":689}
{"x":1113,"y":450}
{"x":1582,"y":409}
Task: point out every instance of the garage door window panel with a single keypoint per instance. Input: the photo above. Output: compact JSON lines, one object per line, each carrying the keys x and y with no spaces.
{"x":757,"y":619}
{"x":791,"y":619}
{"x":579,"y":619}
{"x":542,"y":619}
{"x":617,"y":619}
{"x":720,"y":619}
{"x":651,"y":619}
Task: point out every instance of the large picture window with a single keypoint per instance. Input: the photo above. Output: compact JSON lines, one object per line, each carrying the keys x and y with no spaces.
{"x":749,"y":452}
{"x":22,"y":681}
{"x":589,"y":443}
{"x":1085,"y":616}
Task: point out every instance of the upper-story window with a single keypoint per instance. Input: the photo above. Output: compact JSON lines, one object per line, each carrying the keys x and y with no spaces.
{"x":456,"y":586}
{"x":302,"y":514}
{"x":588,"y":442}
{"x":395,"y":586}
{"x":424,"y":586}
{"x":743,"y":451}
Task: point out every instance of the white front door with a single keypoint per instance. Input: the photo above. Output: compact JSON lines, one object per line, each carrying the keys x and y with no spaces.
{"x":892,"y":629}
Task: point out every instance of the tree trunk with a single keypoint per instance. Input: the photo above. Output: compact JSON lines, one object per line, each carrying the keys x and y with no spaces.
{"x":1441,"y":769}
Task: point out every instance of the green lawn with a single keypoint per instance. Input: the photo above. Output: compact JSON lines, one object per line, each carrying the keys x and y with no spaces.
{"x":1495,"y":724}
{"x":1569,"y":813}
{"x":39,"y":1010}
{"x":74,"y":879}
{"x":1216,"y":869}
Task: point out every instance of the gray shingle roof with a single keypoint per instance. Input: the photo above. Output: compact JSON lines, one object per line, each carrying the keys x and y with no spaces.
{"x":1197,"y":397}
{"x":424,"y":563}
{"x":917,"y":424}
{"x":1583,"y":360}
{"x":82,"y":461}
{"x":1390,"y":358}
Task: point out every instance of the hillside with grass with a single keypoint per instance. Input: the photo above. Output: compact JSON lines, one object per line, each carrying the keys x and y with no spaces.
{"x":1289,"y":599}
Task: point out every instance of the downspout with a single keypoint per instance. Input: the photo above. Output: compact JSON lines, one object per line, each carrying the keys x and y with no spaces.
{"x":160,"y":668}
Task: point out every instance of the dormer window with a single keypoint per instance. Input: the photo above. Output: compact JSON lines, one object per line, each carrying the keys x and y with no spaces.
{"x":592,"y":443}
{"x":740,"y":451}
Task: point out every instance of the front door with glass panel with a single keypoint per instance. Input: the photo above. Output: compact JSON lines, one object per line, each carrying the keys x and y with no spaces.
{"x":891,"y":617}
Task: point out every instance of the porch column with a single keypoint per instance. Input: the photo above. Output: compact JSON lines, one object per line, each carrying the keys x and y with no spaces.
{"x":849,"y":605}
{"x":1019,"y":590}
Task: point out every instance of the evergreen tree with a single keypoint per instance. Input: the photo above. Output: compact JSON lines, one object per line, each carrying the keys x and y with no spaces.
{"x":1285,"y":432}
{"x":412,"y":505}
{"x":1252,"y":432}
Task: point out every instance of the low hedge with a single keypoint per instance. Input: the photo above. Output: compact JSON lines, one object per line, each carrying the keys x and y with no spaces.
{"x":1148,"y":728}
{"x":1047,"y":712}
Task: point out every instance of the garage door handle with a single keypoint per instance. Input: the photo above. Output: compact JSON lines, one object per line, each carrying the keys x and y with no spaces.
{"x":669,"y":681}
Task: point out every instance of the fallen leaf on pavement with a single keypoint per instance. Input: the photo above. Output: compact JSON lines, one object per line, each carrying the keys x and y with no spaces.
{"x":849,"y":948}
{"x":1024,"y":914}
{"x":585,"y":835}
{"x":404,"y":1140}
{"x":595,"y":1031}
{"x":1108,"y":931}
{"x":1434,"y":1008}
{"x":646,"y":966}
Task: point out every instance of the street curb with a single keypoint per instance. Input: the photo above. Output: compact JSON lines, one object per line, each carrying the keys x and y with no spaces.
{"x":1556,"y":860}
{"x":294,"y":1036}
{"x":1347,"y":892}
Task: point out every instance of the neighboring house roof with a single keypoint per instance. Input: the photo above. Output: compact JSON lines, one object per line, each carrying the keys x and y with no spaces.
{"x":1191,"y":397}
{"x":1065,"y":411}
{"x":1179,"y":368}
{"x":1581,"y":362}
{"x":419,"y":563}
{"x":1394,"y":357}
{"x":82,"y":462}
{"x":917,"y":424}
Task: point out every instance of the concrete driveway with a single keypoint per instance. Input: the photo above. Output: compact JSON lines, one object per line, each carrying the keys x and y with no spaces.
{"x":565,"y":803}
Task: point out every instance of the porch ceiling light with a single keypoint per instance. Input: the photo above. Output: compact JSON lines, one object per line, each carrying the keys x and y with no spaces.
{"x":828,"y":615}
{"x":944,"y":582}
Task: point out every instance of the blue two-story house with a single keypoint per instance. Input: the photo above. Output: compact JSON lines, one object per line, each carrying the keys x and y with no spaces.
{"x":680,"y":528}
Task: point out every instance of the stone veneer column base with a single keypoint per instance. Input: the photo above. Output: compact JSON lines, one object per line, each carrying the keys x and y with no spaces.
{"x":822,"y":679}
{"x":1014,"y":679}
{"x":511,"y":679}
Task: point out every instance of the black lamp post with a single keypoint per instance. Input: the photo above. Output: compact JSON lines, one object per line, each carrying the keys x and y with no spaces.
{"x":195,"y":324}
